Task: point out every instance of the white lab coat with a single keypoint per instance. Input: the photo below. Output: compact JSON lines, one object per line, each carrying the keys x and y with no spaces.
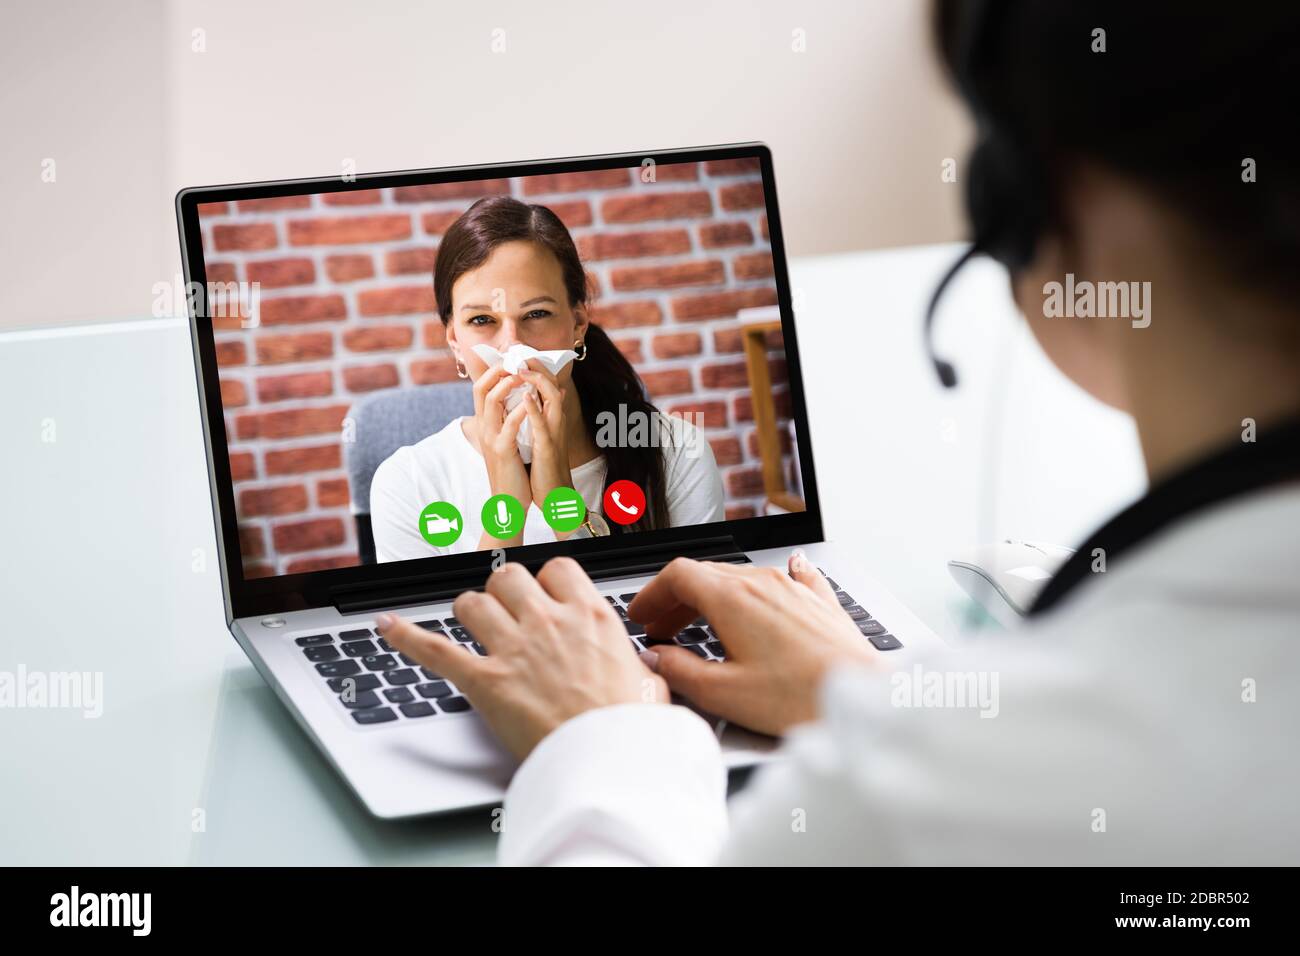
{"x":1151,"y":718}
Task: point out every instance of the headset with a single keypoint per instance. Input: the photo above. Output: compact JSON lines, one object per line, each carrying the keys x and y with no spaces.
{"x":1007,"y":194}
{"x":1006,"y":191}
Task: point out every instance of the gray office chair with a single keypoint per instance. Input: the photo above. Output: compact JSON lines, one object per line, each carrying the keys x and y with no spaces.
{"x":383,"y":423}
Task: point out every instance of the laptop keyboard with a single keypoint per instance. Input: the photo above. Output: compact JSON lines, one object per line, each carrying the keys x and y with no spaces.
{"x":378,"y":685}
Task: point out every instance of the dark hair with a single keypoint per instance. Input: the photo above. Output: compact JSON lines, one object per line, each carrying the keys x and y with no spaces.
{"x":1178,"y":100}
{"x":604,"y":379}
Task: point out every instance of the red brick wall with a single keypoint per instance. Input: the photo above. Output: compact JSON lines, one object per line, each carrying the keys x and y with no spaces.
{"x":347,"y":308}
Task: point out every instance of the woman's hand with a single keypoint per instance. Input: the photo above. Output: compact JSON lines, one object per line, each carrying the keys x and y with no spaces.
{"x":782,"y":632}
{"x":497,"y":433}
{"x":550,"y":465}
{"x":556,"y":649}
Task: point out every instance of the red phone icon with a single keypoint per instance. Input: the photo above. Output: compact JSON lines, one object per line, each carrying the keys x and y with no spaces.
{"x":624,"y":502}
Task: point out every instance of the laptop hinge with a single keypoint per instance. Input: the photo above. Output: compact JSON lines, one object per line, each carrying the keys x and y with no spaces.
{"x":626,"y":562}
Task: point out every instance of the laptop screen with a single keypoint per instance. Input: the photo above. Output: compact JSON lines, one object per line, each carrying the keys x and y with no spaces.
{"x":435,"y":368}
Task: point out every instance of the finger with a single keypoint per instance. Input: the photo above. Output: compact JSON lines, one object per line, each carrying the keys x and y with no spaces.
{"x":433,"y":649}
{"x":565,"y":581}
{"x":545,"y":384}
{"x":670,"y":624}
{"x":538,"y":367}
{"x":733,"y":588}
{"x":804,"y":572}
{"x":510,"y":426}
{"x":517,"y":591}
{"x":715,"y":687}
{"x":681,"y":591}
{"x":484,"y":384}
{"x":536,"y":372}
{"x":541,"y":430}
{"x":494,"y":400}
{"x":487,"y":620}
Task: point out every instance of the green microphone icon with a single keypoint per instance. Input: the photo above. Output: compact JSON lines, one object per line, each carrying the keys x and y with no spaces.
{"x":503,"y":516}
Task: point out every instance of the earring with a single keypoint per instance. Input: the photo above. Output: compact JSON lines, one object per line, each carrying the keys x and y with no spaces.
{"x":581,"y":348}
{"x":460,"y":371}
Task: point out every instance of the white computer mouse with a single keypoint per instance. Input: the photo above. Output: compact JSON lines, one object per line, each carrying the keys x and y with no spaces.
{"x":1006,"y":576}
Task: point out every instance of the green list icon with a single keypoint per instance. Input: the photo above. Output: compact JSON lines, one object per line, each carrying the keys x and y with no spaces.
{"x":503,"y":516}
{"x":564,"y":509}
{"x":440,"y":524}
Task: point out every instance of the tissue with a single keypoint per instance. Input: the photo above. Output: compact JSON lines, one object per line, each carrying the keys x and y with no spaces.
{"x":514,"y":358}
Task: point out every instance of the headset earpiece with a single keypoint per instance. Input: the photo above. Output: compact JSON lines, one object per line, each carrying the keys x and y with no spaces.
{"x":1004,"y":201}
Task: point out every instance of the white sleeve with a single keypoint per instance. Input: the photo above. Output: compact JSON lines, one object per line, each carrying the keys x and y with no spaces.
{"x":630,"y":784}
{"x":886,"y":777}
{"x":694,"y":483}
{"x":395,"y":512}
{"x":1021,"y":752}
{"x":874,"y":781}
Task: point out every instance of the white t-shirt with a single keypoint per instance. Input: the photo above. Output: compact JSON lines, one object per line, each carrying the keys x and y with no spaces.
{"x":446,"y":467}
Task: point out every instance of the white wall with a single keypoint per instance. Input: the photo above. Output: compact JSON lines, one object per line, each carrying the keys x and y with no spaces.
{"x":82,"y":85}
{"x":114,"y":92}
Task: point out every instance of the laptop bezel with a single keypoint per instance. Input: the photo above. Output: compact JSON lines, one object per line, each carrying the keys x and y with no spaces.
{"x":246,"y":597}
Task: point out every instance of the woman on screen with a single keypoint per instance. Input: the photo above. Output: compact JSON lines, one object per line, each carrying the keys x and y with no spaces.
{"x":507,"y":273}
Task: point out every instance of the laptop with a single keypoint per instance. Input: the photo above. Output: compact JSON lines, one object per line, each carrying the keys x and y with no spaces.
{"x":320,"y":354}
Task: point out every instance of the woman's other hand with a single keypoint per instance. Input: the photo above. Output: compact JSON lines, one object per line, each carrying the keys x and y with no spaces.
{"x":782,"y":632}
{"x":497,"y":433}
{"x":550,"y":464}
{"x":555,"y":650}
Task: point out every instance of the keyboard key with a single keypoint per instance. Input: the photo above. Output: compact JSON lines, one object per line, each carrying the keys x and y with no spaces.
{"x":857,"y":612}
{"x":454,"y":705}
{"x":384,"y":646}
{"x":479,"y":649}
{"x":610,"y":599}
{"x":430,"y":674}
{"x":834,"y":586}
{"x":627,"y":598}
{"x":406,"y":676}
{"x":359,"y":683}
{"x":360,"y":701}
{"x":338,"y":669}
{"x":379,"y":662}
{"x":844,"y":599}
{"x":420,"y":708}
{"x":399,"y":695}
{"x":439,"y":688}
{"x":359,"y":648}
{"x":408,"y":661}
{"x":715,"y":648}
{"x":633,"y":627}
{"x":452,"y":622}
{"x":321,"y":653}
{"x":885,"y":642}
{"x":618,"y":609}
{"x":429,"y":625}
{"x":693,"y":635}
{"x":871,"y":627}
{"x":315,"y":640}
{"x":354,"y":635}
{"x":376,"y":715}
{"x":462,"y":635}
{"x":696,"y":650}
